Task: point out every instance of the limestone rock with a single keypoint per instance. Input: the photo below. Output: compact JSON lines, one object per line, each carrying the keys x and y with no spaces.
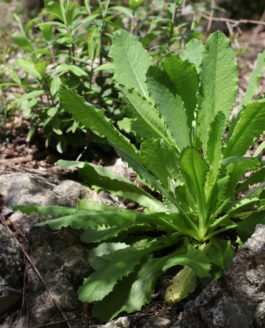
{"x":28,"y":189}
{"x":236,"y":299}
{"x":61,"y":260}
{"x":122,"y":322}
{"x":157,"y":322}
{"x":11,"y":270}
{"x":121,"y":168}
{"x":21,"y":188}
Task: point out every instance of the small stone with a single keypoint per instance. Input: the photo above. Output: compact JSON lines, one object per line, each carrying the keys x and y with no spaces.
{"x":122,"y":322}
{"x":11,"y":270}
{"x":157,"y":323}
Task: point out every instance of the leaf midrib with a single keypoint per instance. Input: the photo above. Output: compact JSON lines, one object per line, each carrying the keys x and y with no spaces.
{"x":137,"y":78}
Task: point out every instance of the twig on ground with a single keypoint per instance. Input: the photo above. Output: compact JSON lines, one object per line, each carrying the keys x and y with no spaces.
{"x":211,"y":16}
{"x":81,"y":154}
{"x":231,"y":31}
{"x":259,"y":27}
{"x":229,"y":20}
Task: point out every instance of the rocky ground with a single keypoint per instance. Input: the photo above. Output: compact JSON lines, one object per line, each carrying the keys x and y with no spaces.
{"x":41,"y":270}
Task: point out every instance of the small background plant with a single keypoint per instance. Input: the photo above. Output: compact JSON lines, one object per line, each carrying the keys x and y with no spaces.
{"x":67,"y":44}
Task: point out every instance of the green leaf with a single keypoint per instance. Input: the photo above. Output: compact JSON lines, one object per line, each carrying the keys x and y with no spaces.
{"x":69,"y":13}
{"x":89,"y":220}
{"x":104,"y":178}
{"x":41,"y":67}
{"x":62,"y":143}
{"x":22,"y":41}
{"x":103,"y":67}
{"x":119,"y":264}
{"x":95,"y":120}
{"x":127,"y":11}
{"x":29,"y":26}
{"x":29,"y":67}
{"x":93,"y":205}
{"x":52,"y":111}
{"x":14,"y":75}
{"x":93,"y":43}
{"x":146,"y":112}
{"x":125,"y":124}
{"x":130,"y":62}
{"x":223,"y":195}
{"x":250,"y":125}
{"x":195,"y":258}
{"x":30,"y":95}
{"x":59,"y":25}
{"x":46,"y":210}
{"x":194,"y":169}
{"x":219,"y":83}
{"x":95,"y":217}
{"x":214,"y":154}
{"x":134,"y":4}
{"x":112,"y":305}
{"x":170,"y":106}
{"x":184,"y":77}
{"x":214,"y":146}
{"x":142,"y":288}
{"x":240,"y":208}
{"x":76,"y":70}
{"x":161,"y":160}
{"x":55,"y":85}
{"x":257,"y":192}
{"x":259,"y":149}
{"x":247,"y":227}
{"x":46,"y":30}
{"x":220,"y":253}
{"x":95,"y":256}
{"x":148,"y":178}
{"x":258,"y":176}
{"x":96,"y":236}
{"x":238,"y":168}
{"x":182,"y":284}
{"x":255,"y":76}
{"x":193,"y":53}
{"x":54,"y":9}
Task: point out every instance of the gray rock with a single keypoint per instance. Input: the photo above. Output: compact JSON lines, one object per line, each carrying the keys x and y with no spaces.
{"x":236,"y":299}
{"x":11,"y":270}
{"x":28,"y":189}
{"x":61,"y":260}
{"x":24,"y":188}
{"x":8,"y":296}
{"x":21,"y":188}
{"x":13,"y":321}
{"x":59,"y":256}
{"x":121,"y":168}
{"x":157,"y":322}
{"x":122,"y":322}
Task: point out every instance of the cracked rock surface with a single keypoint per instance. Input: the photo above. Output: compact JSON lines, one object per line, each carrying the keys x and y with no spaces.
{"x":11,"y":270}
{"x":237,"y":299}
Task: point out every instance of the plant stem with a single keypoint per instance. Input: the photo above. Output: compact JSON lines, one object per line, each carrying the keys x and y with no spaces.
{"x":91,"y":73}
{"x":106,"y":8}
{"x":211,"y":235}
{"x":132,"y":23}
{"x":173,"y":19}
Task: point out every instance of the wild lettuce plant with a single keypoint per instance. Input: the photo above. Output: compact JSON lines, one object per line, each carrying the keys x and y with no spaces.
{"x":193,"y":158}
